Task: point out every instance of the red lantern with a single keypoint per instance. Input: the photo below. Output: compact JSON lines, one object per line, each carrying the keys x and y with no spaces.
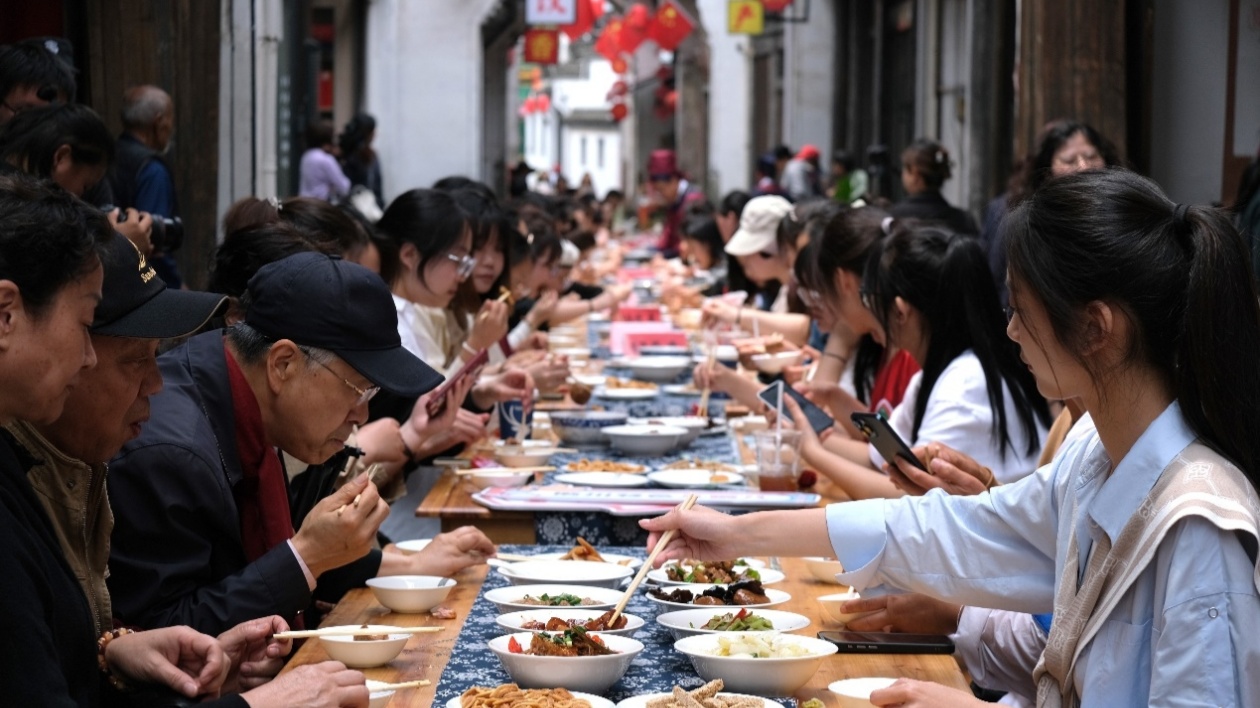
{"x":619,"y":88}
{"x":635,"y":30}
{"x":529,"y":105}
{"x":597,"y":9}
{"x":543,"y":104}
{"x":619,"y":112}
{"x":670,"y":101}
{"x":584,"y":22}
{"x":619,"y":65}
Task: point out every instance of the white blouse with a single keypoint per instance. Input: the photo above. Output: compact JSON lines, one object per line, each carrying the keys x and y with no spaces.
{"x":959,"y":414}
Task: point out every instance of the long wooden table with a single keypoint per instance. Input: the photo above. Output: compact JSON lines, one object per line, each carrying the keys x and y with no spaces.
{"x":426,"y":655}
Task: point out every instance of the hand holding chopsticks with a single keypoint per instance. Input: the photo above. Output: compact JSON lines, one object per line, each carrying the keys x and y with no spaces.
{"x":647,"y":565}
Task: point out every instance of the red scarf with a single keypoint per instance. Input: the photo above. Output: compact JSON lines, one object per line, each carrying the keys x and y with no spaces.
{"x":262,"y":497}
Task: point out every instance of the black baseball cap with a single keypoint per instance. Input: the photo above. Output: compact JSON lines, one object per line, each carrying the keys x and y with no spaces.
{"x":136,"y":303}
{"x":321,"y":301}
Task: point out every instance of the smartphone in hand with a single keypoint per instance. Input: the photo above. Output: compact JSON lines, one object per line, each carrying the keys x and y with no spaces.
{"x":880,"y":433}
{"x":472,"y":367}
{"x":818,"y":418}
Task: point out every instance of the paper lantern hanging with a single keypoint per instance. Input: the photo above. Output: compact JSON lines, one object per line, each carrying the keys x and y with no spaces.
{"x":619,"y":112}
{"x":543,"y":104}
{"x":620,"y":66}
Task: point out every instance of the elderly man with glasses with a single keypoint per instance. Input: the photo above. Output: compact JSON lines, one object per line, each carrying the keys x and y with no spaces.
{"x":203,"y":534}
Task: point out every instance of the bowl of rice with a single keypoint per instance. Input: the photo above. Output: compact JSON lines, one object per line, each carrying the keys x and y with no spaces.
{"x":761,"y":663}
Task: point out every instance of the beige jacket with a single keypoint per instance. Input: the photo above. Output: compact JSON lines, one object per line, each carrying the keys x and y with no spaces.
{"x":73,"y":494}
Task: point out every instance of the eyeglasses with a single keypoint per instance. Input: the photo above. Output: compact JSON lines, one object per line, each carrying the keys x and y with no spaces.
{"x":868,"y":299}
{"x":365,"y":394}
{"x":463,"y":264}
{"x":1010,"y":313}
{"x":811,"y":298}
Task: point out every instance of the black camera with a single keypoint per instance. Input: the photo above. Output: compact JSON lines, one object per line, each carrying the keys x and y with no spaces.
{"x":167,"y":234}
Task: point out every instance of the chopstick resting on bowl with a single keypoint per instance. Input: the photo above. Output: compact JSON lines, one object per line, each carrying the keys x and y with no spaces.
{"x":352,"y":632}
{"x":647,"y":565}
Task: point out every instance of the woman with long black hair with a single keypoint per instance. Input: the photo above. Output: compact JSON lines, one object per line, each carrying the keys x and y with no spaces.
{"x":930,"y":292}
{"x":1142,"y":536}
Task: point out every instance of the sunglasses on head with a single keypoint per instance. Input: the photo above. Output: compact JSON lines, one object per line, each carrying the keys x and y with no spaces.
{"x":660,"y":178}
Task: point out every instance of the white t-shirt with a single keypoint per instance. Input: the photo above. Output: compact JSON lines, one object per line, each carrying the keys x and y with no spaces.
{"x":958,"y":414}
{"x":424,"y":332}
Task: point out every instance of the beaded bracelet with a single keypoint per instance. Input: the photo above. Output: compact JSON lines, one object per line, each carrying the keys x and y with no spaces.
{"x":103,"y":642}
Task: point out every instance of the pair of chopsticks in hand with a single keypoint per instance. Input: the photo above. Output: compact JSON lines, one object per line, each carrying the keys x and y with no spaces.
{"x":371,"y":473}
{"x":352,"y":632}
{"x":647,"y":565}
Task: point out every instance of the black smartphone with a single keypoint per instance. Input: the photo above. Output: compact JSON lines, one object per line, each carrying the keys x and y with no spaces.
{"x":818,"y":418}
{"x":888,"y":642}
{"x":881,"y":434}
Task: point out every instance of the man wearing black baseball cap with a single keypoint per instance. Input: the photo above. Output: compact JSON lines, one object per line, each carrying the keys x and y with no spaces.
{"x":106,"y":409}
{"x":203,"y":535}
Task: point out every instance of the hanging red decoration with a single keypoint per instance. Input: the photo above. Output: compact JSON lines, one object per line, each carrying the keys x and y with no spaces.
{"x":620,"y":66}
{"x":635,"y":30}
{"x":609,"y":43}
{"x":670,"y":26}
{"x":543,"y":104}
{"x":775,"y":5}
{"x":542,"y":46}
{"x":529,"y":105}
{"x":619,"y":112}
{"x":597,"y":9}
{"x":584,"y":22}
{"x":619,"y":88}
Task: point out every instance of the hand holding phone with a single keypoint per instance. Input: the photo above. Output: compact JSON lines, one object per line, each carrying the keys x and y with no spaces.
{"x":886,"y":440}
{"x":818,"y":418}
{"x":437,"y":402}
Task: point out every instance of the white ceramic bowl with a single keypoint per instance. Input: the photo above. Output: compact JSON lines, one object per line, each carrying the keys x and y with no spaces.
{"x":487,"y":477}
{"x":410,"y":593}
{"x":642,"y":701}
{"x":512,"y":621}
{"x":585,"y":427}
{"x":602,"y":575}
{"x":376,"y":697}
{"x":695,"y":479}
{"x":413,"y":546}
{"x":693,"y":424}
{"x":777,"y":597}
{"x":593,"y":674}
{"x":775,"y":363}
{"x":661,"y":369}
{"x":664,"y":350}
{"x":831,"y":607}
{"x":529,"y":453}
{"x":619,"y":559}
{"x":856,"y":692}
{"x":360,"y":654}
{"x":761,"y":676}
{"x":645,"y":439}
{"x":688,"y":623}
{"x":824,"y":569}
{"x":508,"y":599}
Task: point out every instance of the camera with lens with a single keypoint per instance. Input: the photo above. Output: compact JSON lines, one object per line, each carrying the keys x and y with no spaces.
{"x":167,"y":234}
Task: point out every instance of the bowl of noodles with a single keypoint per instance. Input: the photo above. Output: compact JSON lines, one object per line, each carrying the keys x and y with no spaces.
{"x":510,"y":694}
{"x":573,"y":659}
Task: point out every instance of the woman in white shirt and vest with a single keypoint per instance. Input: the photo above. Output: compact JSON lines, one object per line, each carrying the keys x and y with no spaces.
{"x":1142,"y":538}
{"x":927,"y":287}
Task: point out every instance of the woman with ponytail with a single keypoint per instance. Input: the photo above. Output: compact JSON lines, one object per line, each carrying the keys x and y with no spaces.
{"x":929,"y":292}
{"x":1142,"y":536}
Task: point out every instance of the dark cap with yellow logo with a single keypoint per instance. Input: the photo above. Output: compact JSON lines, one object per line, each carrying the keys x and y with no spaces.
{"x":136,"y":303}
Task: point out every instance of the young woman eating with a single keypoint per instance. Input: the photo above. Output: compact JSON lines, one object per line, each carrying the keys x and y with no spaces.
{"x":1140,"y":537}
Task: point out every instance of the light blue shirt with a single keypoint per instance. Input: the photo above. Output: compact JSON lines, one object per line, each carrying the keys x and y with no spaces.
{"x":1186,"y":633}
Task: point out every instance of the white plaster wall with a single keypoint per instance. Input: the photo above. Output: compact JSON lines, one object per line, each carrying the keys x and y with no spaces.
{"x":542,"y":140}
{"x":424,"y":85}
{"x":1188,"y":90}
{"x":730,"y":102}
{"x":589,"y":92}
{"x":605,"y":175}
{"x":808,"y":83}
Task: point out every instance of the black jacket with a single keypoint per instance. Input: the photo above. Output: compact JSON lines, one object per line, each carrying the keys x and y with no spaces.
{"x":176,"y":556}
{"x":931,"y":206}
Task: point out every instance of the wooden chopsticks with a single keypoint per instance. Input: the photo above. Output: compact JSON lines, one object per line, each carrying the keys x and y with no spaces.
{"x":352,"y":632}
{"x":647,"y":565}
